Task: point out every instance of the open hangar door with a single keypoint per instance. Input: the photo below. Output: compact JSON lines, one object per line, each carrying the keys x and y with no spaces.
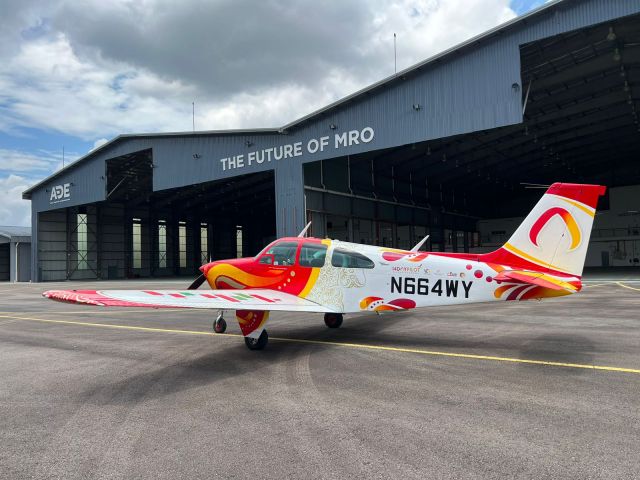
{"x":581,"y":94}
{"x":4,"y":262}
{"x":580,"y":102}
{"x":388,"y":198}
{"x":139,"y":233}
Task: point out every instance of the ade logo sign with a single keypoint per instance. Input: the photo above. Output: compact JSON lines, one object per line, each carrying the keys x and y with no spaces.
{"x":60,"y":193}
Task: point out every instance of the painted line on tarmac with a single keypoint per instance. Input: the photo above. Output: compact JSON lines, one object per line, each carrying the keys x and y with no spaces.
{"x":608,"y":280}
{"x":119,"y":327}
{"x":363,"y":346}
{"x":627,"y":286}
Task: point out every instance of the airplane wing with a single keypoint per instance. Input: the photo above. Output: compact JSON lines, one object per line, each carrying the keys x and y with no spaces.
{"x":251,"y":299}
{"x":540,"y":279}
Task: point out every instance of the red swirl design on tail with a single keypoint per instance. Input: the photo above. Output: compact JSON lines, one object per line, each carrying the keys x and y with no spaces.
{"x":568,"y":219}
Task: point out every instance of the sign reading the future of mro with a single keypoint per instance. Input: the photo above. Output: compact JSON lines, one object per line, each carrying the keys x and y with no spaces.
{"x":297,"y":149}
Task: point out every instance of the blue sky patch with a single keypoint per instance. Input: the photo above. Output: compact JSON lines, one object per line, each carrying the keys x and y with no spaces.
{"x":524,"y":6}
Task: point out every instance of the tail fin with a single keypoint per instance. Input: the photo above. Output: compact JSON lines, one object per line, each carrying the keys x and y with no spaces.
{"x":555,"y":235}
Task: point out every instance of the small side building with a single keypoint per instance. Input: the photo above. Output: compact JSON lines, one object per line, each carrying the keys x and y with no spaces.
{"x":15,"y":254}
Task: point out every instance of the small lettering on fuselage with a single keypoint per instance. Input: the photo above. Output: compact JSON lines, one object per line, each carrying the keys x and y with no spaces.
{"x":420,"y":286}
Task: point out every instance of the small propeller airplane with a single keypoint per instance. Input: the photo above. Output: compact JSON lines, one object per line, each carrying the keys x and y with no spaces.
{"x":544,"y":258}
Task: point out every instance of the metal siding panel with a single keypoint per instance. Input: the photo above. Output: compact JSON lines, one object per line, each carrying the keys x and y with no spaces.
{"x":469,"y":93}
{"x":175,"y":165}
{"x":34,"y":246}
{"x":12,"y":261}
{"x":289,"y":194}
{"x":87,"y":186}
{"x":52,"y":246}
{"x":87,"y":177}
{"x":314,"y":200}
{"x":24,"y":262}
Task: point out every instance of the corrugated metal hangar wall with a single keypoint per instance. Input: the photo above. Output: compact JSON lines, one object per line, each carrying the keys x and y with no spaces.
{"x":432,"y":149}
{"x":15,"y":254}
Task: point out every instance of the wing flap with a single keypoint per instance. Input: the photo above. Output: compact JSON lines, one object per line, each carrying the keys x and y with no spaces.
{"x":540,"y":279}
{"x":251,"y":299}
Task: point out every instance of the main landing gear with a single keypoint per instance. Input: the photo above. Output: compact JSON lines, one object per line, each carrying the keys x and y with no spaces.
{"x":257,"y":343}
{"x":333,"y":320}
{"x":219,"y":324}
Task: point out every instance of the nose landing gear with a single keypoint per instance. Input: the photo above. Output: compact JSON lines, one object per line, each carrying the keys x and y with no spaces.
{"x":219,"y":324}
{"x":333,"y":320}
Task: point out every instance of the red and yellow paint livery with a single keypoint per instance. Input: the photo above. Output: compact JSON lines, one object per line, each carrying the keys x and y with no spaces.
{"x":572,"y":226}
{"x":542,"y":259}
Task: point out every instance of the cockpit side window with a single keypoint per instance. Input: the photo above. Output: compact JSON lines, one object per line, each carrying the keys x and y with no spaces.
{"x":312,"y":255}
{"x":284,"y":253}
{"x":348,"y":259}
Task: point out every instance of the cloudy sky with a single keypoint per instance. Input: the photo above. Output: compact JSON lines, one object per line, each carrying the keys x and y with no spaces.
{"x":75,"y":73}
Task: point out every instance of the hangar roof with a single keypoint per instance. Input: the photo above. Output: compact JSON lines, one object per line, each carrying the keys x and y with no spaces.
{"x":397,"y":77}
{"x":15,"y":234}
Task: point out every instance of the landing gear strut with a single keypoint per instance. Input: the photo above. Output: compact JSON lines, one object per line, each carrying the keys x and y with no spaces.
{"x":219,"y":324}
{"x":257,"y":343}
{"x":333,"y":320}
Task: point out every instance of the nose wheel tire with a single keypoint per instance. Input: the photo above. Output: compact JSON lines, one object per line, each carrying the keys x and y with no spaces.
{"x":219,"y":325}
{"x":333,"y":320}
{"x":257,"y":343}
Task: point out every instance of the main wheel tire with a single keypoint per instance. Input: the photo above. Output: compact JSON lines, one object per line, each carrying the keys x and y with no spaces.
{"x":259,"y":343}
{"x":333,"y":320}
{"x":219,"y":325}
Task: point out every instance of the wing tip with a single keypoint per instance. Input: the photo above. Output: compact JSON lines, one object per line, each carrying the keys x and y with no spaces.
{"x":71,"y":296}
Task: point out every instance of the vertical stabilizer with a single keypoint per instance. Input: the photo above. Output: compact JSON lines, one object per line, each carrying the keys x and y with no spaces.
{"x":555,"y":235}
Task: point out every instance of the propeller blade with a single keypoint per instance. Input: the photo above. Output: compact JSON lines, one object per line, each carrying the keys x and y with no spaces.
{"x":197,"y":282}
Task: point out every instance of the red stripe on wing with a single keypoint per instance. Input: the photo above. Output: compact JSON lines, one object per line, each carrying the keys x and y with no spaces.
{"x":224,"y":297}
{"x":260,"y":297}
{"x":92,"y":297}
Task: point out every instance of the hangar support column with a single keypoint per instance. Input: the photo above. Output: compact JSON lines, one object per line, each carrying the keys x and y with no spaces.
{"x":289,"y":194}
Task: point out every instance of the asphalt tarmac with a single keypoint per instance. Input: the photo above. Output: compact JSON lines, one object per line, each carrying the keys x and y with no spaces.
{"x":539,"y":390}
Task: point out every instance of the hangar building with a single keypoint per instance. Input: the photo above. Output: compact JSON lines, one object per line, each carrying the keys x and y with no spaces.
{"x":442,"y":148}
{"x":15,"y":254}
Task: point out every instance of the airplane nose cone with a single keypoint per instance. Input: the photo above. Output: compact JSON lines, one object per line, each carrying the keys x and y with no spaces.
{"x":206,"y":267}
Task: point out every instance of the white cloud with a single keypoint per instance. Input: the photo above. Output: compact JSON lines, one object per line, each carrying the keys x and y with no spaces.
{"x":39,"y":162}
{"x":138,"y":69}
{"x":47,"y":86}
{"x":14,"y":210}
{"x":98,"y":143}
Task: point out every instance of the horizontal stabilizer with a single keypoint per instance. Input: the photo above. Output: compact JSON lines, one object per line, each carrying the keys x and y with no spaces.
{"x":540,"y":279}
{"x":250,"y":299}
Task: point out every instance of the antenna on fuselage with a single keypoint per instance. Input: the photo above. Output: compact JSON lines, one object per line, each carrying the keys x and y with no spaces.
{"x":419,"y":244}
{"x":534,"y":185}
{"x":304,"y":230}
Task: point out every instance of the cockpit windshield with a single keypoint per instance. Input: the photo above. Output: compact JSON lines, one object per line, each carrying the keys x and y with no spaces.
{"x":283,"y":253}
